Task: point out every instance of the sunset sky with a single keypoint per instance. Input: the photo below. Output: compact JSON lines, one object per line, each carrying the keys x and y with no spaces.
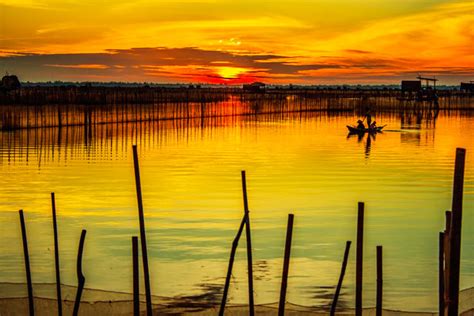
{"x":231,"y":42}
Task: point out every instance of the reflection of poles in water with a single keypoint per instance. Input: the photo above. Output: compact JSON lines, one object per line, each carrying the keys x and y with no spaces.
{"x":415,"y":119}
{"x":419,"y":117}
{"x":432,"y":117}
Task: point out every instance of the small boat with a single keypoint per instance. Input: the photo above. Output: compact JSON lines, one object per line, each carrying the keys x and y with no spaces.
{"x":355,"y":130}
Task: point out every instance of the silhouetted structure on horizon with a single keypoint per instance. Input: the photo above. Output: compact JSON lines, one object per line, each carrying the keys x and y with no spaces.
{"x":467,"y":86}
{"x":413,"y":90}
{"x":10,"y":82}
{"x":411,"y":85}
{"x":254,"y":87}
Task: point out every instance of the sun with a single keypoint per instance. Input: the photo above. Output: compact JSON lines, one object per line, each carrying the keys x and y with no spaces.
{"x":230,"y":72}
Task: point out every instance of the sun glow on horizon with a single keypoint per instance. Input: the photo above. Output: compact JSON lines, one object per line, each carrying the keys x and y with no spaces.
{"x":230,"y":72}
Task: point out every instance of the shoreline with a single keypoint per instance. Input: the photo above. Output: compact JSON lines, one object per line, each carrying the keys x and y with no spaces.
{"x":102,"y":302}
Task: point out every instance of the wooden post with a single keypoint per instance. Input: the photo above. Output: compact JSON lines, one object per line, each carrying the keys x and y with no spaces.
{"x":441,"y":274}
{"x":286,"y":265}
{"x":235,"y":243}
{"x":56,"y":256}
{"x":31,"y":305}
{"x":378,"y":308}
{"x":446,"y":260}
{"x":359,"y":258}
{"x":141,"y":218}
{"x":136,"y":288}
{"x":455,"y":234}
{"x":80,"y":276}
{"x":341,"y":278}
{"x":448,"y":222}
{"x":249,"y":245}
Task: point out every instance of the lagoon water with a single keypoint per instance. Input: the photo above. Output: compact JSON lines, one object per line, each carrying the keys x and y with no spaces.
{"x":303,"y":164}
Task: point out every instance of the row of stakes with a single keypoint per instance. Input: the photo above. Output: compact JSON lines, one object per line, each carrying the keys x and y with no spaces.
{"x":449,"y":256}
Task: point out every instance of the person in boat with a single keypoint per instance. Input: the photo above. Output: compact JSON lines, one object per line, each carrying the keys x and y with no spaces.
{"x":373,"y":125}
{"x":368,"y":117}
{"x":360,"y":124}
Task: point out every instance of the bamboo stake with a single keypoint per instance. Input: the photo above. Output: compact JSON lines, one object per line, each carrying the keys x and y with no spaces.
{"x":455,"y":234}
{"x":56,"y":255}
{"x":141,"y":218}
{"x":441,"y":274}
{"x":286,"y":265}
{"x":447,"y":259}
{"x":378,"y":309}
{"x":235,"y":243}
{"x":341,"y":278}
{"x":359,"y":258}
{"x":80,"y":276}
{"x":31,"y":305}
{"x":249,"y":245}
{"x":136,"y":288}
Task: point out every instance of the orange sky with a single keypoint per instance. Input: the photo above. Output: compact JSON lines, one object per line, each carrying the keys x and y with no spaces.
{"x":229,"y":41}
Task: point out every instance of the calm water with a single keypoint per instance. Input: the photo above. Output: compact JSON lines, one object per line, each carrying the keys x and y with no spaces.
{"x":305,"y":165}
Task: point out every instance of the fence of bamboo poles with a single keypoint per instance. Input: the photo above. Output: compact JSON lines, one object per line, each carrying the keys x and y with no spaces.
{"x":448,"y":274}
{"x":88,"y":106}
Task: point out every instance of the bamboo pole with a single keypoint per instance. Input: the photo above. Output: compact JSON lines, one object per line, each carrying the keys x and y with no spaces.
{"x":455,"y":234}
{"x":341,"y":278}
{"x":136,"y":288}
{"x":141,"y":218}
{"x":31,"y":305}
{"x":235,"y":243}
{"x":56,"y":256}
{"x":359,"y":258}
{"x":249,"y":244}
{"x":379,"y":298}
{"x":286,"y":265}
{"x":447,"y":257}
{"x":441,"y":274}
{"x":80,"y":276}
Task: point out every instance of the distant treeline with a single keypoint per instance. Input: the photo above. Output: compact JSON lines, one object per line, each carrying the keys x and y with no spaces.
{"x":220,"y":86}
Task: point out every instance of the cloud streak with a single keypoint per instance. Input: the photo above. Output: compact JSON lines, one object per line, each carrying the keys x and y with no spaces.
{"x":198,"y":65}
{"x":157,"y":64}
